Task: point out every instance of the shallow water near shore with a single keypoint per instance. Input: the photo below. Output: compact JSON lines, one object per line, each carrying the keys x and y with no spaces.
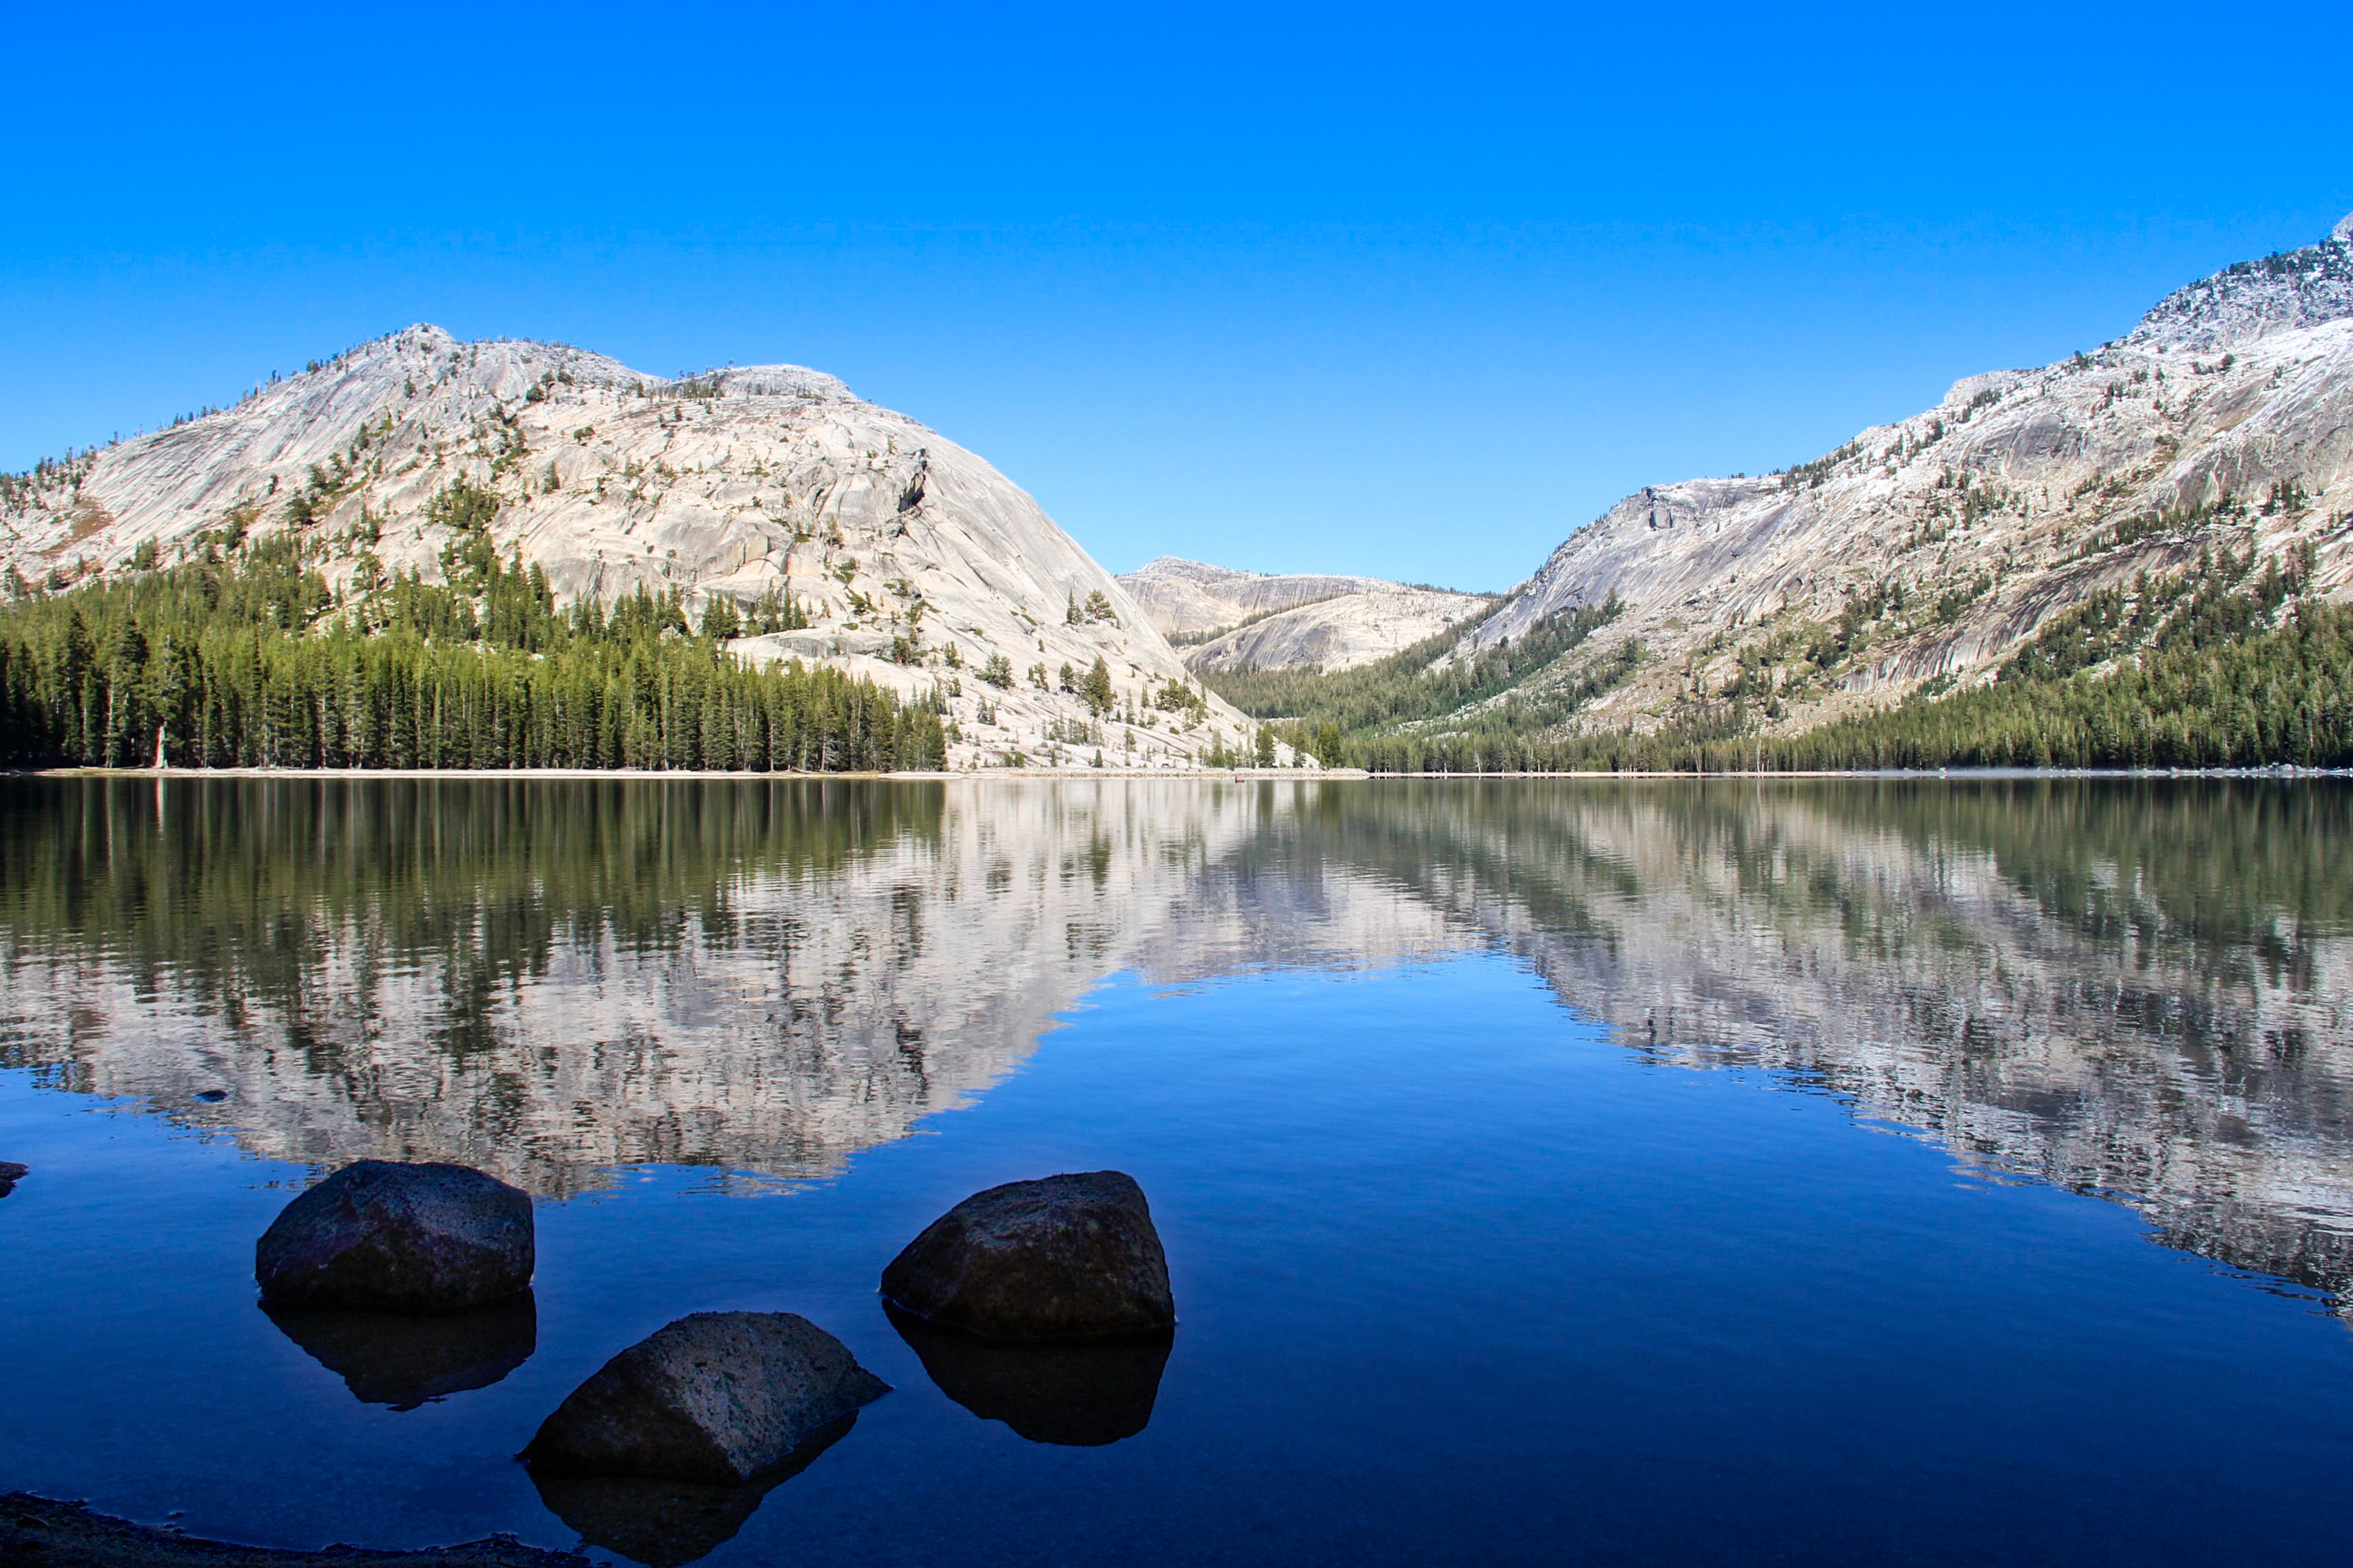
{"x":1875,"y":1171}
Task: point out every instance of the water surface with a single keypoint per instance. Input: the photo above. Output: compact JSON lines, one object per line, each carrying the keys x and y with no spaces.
{"x":1679,"y":1171}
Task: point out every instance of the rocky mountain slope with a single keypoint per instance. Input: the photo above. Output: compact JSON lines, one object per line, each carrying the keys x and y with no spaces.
{"x":911,"y":560}
{"x":1924,"y":552}
{"x":1232,"y":618}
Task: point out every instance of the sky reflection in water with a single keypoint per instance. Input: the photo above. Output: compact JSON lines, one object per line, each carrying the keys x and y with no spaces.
{"x":1470,"y":1262}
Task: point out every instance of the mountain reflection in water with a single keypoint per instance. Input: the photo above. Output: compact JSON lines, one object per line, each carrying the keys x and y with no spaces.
{"x":2133,"y":988}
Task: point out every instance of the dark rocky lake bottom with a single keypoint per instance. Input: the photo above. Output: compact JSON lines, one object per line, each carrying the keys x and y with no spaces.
{"x":1829,"y":1171}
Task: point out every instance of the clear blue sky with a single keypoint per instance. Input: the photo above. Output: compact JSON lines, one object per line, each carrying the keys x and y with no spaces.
{"x":1405,"y":291}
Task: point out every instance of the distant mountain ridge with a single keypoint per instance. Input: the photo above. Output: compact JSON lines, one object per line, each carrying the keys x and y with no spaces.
{"x":1933,"y":548}
{"x":1286,"y":621}
{"x":2209,"y":451}
{"x":911,"y":560}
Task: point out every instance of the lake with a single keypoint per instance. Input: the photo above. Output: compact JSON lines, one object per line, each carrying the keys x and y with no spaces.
{"x":1692,"y":1170}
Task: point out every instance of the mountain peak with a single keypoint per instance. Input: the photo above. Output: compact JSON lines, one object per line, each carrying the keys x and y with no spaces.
{"x":857,"y":536}
{"x":2248,"y":300}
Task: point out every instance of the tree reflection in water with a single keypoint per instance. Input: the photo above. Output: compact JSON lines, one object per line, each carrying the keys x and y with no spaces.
{"x":2134,"y":988}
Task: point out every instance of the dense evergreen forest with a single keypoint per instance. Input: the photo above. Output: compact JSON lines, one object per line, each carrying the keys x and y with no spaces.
{"x":2215,"y":665}
{"x":244,"y":658}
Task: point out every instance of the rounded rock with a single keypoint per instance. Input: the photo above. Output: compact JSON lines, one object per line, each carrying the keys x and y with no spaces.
{"x":1072,"y":1257}
{"x":395,"y":1237}
{"x":717,"y":1397}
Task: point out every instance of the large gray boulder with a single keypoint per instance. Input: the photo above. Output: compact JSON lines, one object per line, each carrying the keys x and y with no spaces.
{"x":1067,"y":1258}
{"x":398,"y":1238}
{"x":717,"y":1397}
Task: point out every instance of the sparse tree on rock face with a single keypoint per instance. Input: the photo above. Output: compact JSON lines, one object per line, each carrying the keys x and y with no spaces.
{"x":997,"y":671}
{"x":1099,"y":607}
{"x":1038,"y":677}
{"x":1099,"y":695}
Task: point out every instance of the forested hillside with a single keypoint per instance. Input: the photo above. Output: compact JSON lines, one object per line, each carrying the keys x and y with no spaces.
{"x":2219,"y":665}
{"x":2138,"y":555}
{"x":243,"y":656}
{"x":904,"y":560}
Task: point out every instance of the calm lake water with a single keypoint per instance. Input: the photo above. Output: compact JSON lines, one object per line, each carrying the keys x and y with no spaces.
{"x":1870,"y":1172}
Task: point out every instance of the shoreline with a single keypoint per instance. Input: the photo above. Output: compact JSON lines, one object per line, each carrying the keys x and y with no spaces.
{"x":38,"y":1530}
{"x":1235,"y":775}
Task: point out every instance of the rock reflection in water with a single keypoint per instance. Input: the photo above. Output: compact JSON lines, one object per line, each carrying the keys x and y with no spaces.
{"x":1078,"y":1396}
{"x":668,"y":1523}
{"x":386,"y":1358}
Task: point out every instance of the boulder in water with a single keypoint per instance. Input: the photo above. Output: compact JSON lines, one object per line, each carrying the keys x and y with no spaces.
{"x":11,"y":1174}
{"x":717,"y":1397}
{"x":1065,"y":1257}
{"x":391,"y":1237}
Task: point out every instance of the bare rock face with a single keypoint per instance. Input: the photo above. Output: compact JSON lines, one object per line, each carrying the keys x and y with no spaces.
{"x":1180,"y":596}
{"x":1945,"y":541}
{"x":383,"y":1236}
{"x":1227,"y":619}
{"x":10,"y":1174}
{"x":717,"y":1397}
{"x":905,"y":558}
{"x":1068,"y":1258}
{"x":1339,"y":633}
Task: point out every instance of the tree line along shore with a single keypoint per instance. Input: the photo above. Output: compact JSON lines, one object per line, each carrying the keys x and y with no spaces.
{"x":244,"y":658}
{"x":2213,"y":666}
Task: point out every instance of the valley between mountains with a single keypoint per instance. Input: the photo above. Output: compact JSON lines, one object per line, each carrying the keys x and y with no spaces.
{"x":2137,"y":555}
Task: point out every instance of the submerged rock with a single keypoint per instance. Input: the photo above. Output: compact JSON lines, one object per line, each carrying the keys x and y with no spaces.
{"x":11,"y":1174}
{"x":1082,"y":1395}
{"x":1065,"y":1258}
{"x":398,"y":1238}
{"x":40,"y":1533}
{"x":717,"y":1397}
{"x":664,"y":1522}
{"x":404,"y":1361}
